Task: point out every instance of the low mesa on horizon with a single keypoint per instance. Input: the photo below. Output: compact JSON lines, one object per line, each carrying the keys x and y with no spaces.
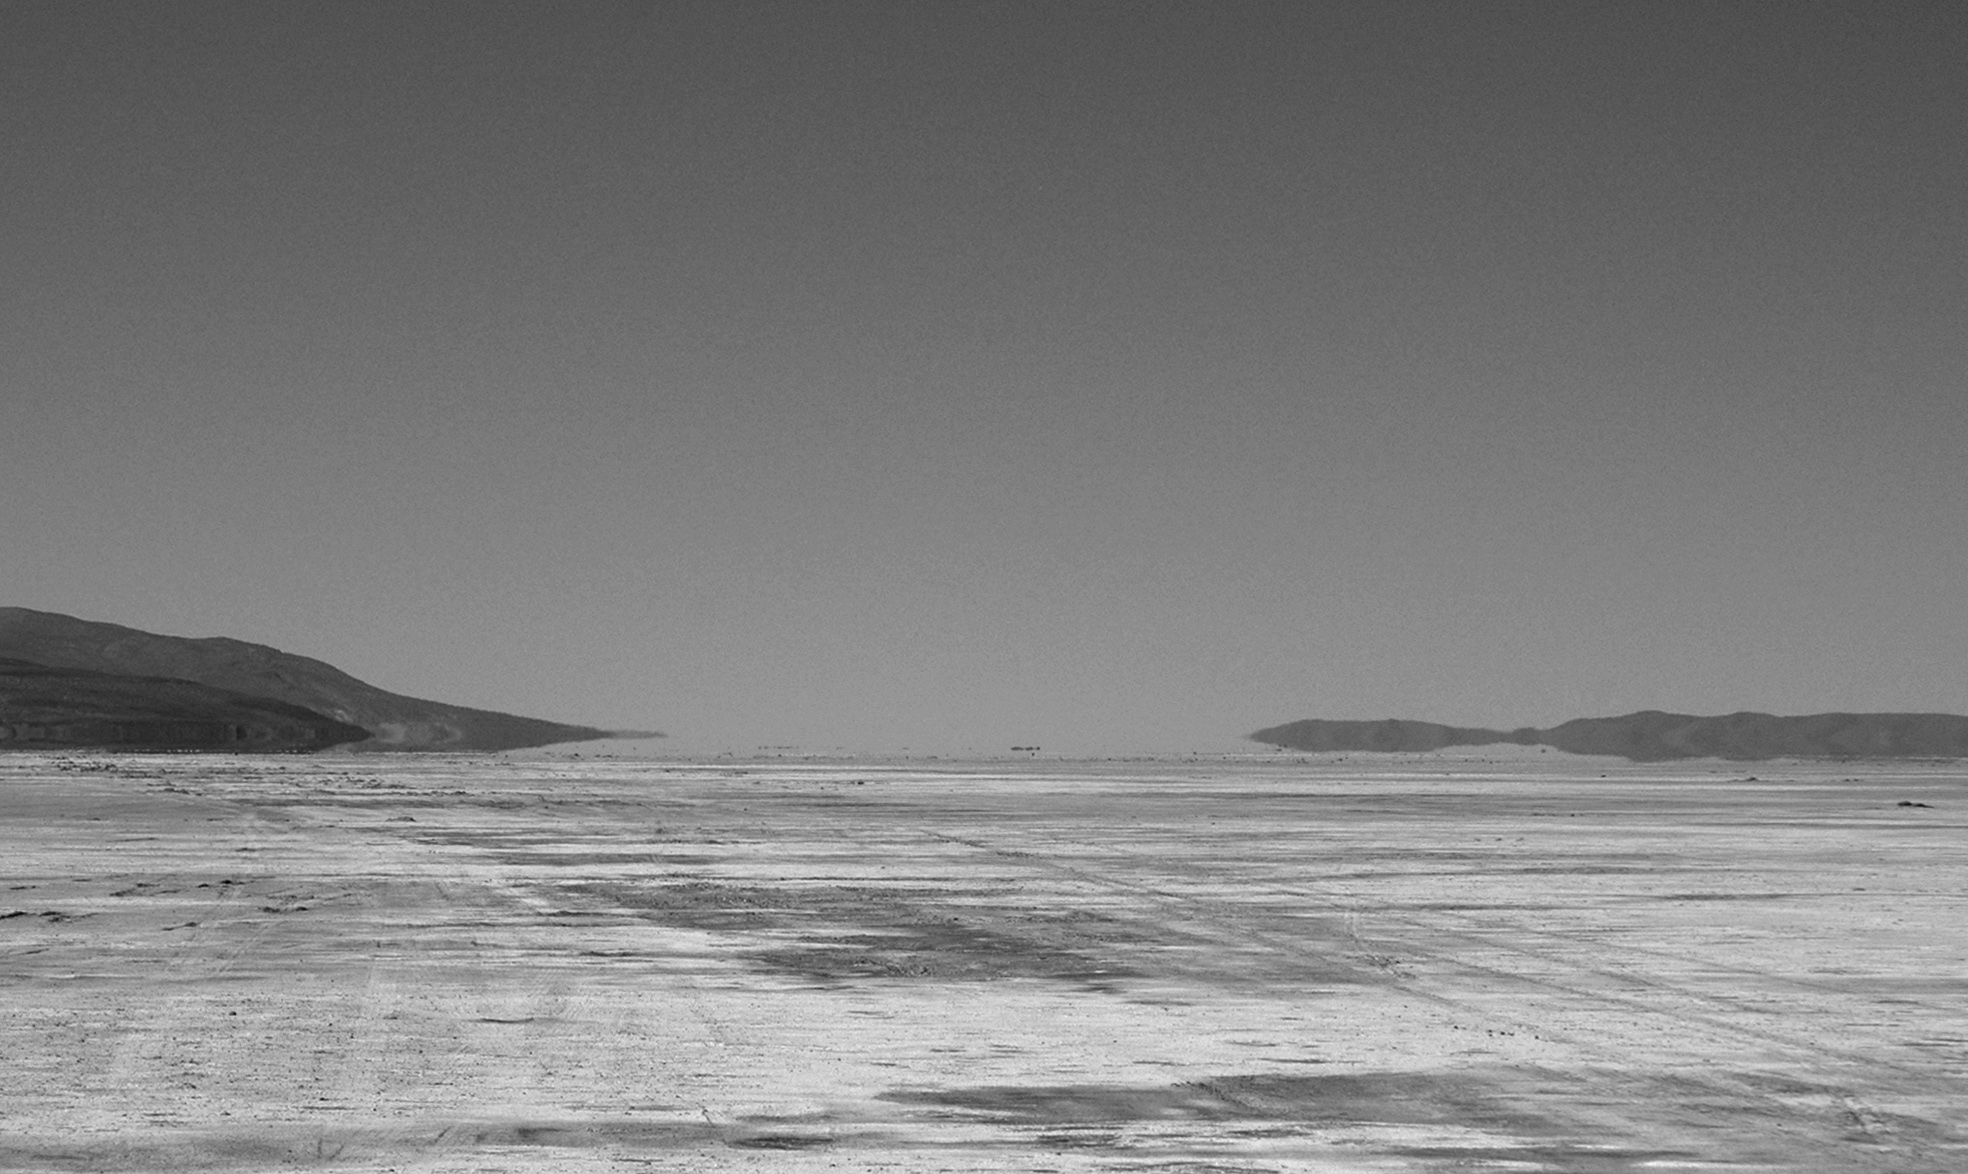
{"x":68,"y":683}
{"x":1654,"y":736}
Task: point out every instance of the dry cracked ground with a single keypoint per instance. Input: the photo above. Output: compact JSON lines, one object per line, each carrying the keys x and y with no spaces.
{"x":1265,"y":964}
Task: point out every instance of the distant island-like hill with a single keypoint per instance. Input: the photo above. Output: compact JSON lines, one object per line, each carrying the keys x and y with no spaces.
{"x":1653,"y":736}
{"x":106,"y":686}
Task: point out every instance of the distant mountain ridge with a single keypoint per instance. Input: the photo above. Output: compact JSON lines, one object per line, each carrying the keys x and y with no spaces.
{"x":388,"y":721}
{"x":1654,"y":736}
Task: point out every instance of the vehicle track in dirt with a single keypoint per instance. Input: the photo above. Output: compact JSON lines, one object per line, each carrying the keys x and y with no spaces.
{"x":1670,"y":1009}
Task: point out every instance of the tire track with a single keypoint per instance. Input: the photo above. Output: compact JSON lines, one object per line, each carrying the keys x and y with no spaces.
{"x":1231,"y":921}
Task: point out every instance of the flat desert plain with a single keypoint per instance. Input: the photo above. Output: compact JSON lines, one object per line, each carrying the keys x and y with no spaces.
{"x":1250,"y":964}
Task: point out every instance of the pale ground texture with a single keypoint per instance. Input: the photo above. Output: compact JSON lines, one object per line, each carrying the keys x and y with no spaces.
{"x":1272,"y":964}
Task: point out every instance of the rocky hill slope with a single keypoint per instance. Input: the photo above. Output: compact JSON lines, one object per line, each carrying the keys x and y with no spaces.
{"x":44,"y":708}
{"x":393,"y":721}
{"x":1653,"y":736}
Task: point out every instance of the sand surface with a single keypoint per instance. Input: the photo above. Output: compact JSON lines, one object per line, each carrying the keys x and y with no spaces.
{"x":1415,"y":964}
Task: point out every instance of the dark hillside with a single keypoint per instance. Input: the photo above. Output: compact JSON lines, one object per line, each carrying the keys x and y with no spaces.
{"x":43,"y":708}
{"x":395,"y":722}
{"x":1654,"y":736}
{"x":1389,"y":736}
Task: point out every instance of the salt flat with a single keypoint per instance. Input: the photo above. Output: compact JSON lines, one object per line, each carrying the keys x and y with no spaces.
{"x":1265,"y":964}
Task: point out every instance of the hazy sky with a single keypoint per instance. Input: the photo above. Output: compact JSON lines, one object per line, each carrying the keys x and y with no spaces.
{"x":960,"y":375}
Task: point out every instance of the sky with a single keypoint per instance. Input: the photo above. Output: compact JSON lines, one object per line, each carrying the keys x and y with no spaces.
{"x":1103,"y":376}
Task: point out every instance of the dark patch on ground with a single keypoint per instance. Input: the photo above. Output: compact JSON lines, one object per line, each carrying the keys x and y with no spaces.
{"x":53,"y":916}
{"x":360,"y":802}
{"x":257,"y":1151}
{"x":780,"y":1141}
{"x":581,"y":859}
{"x":645,"y":1135}
{"x":1383,"y":1098}
{"x":847,"y":932}
{"x":713,"y":906}
{"x":1080,"y":1139}
{"x":495,"y":839}
{"x":1571,"y":1159}
{"x":950,"y":951}
{"x":1181,"y":1167}
{"x":518,"y":847}
{"x":1084,"y":1116}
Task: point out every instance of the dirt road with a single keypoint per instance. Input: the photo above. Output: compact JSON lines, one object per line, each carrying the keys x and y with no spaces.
{"x":1417,"y":964}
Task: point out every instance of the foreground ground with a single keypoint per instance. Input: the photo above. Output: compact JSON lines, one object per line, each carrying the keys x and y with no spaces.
{"x":445,"y":964}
